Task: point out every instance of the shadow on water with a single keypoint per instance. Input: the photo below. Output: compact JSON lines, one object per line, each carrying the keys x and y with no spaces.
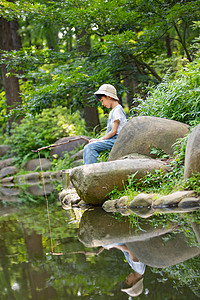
{"x":154,"y":258}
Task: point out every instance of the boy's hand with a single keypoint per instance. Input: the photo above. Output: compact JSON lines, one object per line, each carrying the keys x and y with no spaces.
{"x":93,"y":140}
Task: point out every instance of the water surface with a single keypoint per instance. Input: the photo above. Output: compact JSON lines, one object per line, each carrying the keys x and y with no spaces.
{"x":28,"y":270}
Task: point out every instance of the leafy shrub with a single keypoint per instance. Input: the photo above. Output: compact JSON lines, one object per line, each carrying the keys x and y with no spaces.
{"x":42,"y":130}
{"x":177,"y":99}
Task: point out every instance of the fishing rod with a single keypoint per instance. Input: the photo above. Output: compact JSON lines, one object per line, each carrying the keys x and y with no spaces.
{"x":76,"y":252}
{"x":60,"y":144}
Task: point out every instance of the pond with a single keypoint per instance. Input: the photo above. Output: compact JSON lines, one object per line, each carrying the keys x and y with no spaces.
{"x":62,"y":257}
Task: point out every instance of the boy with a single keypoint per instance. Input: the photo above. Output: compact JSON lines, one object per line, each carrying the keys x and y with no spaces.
{"x":107,"y":95}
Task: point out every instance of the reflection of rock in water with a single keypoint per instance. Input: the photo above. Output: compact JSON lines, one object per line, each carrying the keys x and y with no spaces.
{"x":6,"y":211}
{"x":156,"y":247}
{"x":38,"y":190}
{"x":98,"y":228}
{"x":158,"y":252}
{"x":12,"y":194}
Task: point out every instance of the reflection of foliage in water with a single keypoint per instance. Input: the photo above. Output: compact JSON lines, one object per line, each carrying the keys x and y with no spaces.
{"x":186,"y":273}
{"x":70,"y":274}
{"x":184,"y":222}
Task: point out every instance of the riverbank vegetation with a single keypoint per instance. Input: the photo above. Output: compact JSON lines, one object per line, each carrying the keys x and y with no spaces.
{"x":54,"y":55}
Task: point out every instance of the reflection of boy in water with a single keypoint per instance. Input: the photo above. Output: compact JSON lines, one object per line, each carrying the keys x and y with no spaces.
{"x":133,"y":285}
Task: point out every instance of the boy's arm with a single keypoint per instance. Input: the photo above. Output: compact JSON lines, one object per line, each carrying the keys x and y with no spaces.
{"x":109,"y":134}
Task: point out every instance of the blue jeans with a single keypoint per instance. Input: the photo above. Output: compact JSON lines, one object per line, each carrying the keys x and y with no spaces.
{"x":92,"y":150}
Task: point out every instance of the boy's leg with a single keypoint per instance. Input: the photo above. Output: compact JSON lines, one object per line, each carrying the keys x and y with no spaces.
{"x":92,"y":150}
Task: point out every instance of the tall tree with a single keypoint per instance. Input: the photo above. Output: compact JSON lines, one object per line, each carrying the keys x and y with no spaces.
{"x":91,"y":115}
{"x":10,"y":40}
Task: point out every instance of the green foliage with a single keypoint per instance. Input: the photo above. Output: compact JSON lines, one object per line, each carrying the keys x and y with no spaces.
{"x":193,"y":183}
{"x":177,"y":99}
{"x":43,"y":130}
{"x":126,"y":38}
{"x":158,"y":153}
{"x":103,"y":156}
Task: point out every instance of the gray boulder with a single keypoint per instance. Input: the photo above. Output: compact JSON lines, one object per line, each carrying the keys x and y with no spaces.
{"x":7,"y":171}
{"x":32,"y":164}
{"x":94,"y":182}
{"x":60,"y":150}
{"x":4,"y":149}
{"x":38,"y":190}
{"x":192,"y":153}
{"x":9,"y":191}
{"x":140,"y":133}
{"x":5,"y":163}
{"x":172,"y":199}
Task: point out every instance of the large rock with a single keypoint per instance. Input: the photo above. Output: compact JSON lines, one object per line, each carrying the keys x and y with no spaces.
{"x":8,"y":171}
{"x":172,"y":199}
{"x":4,"y":149}
{"x":93,"y":182}
{"x":140,"y":133}
{"x":60,"y":150}
{"x":192,"y":153}
{"x":160,"y":253}
{"x":33,"y":164}
{"x":5,"y":163}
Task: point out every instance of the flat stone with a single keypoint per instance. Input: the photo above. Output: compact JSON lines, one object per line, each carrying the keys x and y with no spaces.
{"x":28,"y":178}
{"x":32,"y":177}
{"x":142,"y":200}
{"x":8,"y":171}
{"x":189,"y":202}
{"x":122,"y":202}
{"x":5,"y":163}
{"x":9,"y":191}
{"x":38,"y":190}
{"x":6,"y":180}
{"x":143,"y":212}
{"x":94,"y":182}
{"x":78,"y":155}
{"x":172,"y":199}
{"x":33,"y":164}
{"x":48,"y":176}
{"x":9,"y":198}
{"x":4,"y":149}
{"x":118,"y":206}
{"x":110,"y":206}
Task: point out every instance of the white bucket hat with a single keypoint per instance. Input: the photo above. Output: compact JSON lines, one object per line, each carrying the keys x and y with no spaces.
{"x":136,"y":289}
{"x":108,"y":90}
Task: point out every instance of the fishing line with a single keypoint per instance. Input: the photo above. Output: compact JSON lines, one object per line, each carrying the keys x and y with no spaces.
{"x":47,"y":202}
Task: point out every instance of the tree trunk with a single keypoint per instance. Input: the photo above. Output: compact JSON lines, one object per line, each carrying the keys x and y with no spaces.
{"x":9,"y":40}
{"x":91,"y":115}
{"x":168,"y":45}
